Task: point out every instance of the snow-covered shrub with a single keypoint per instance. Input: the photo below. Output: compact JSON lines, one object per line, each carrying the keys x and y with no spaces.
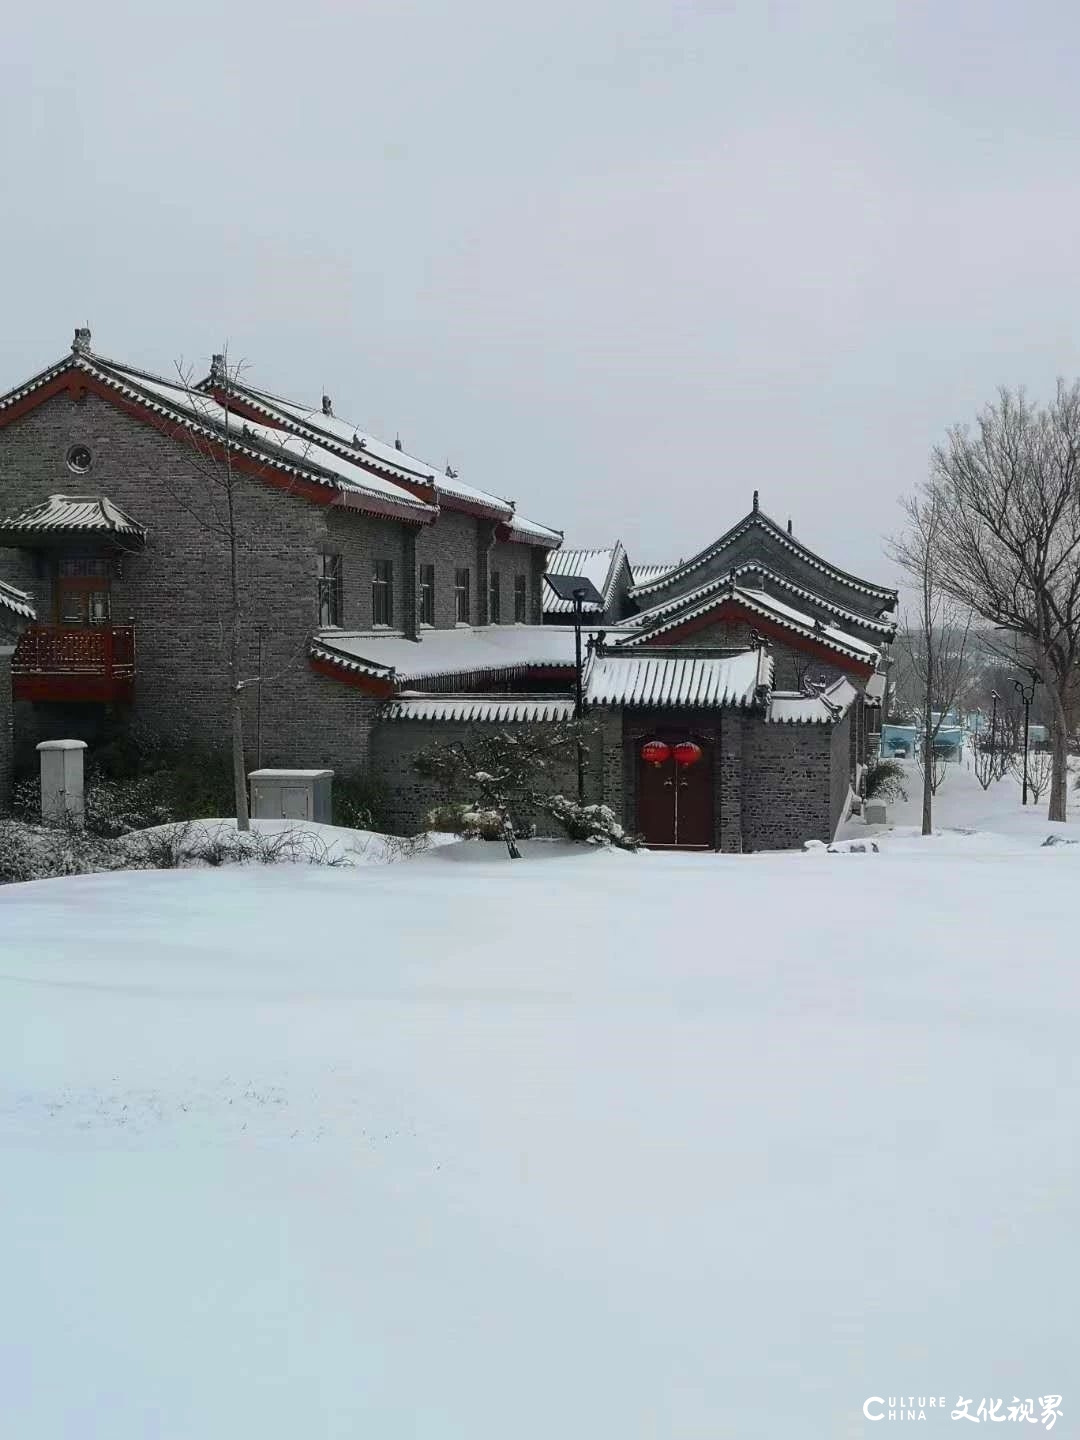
{"x":593,"y":824}
{"x":468,"y":819}
{"x":884,"y":780}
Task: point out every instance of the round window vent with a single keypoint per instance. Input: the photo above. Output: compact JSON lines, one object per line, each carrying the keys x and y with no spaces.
{"x":79,"y":459}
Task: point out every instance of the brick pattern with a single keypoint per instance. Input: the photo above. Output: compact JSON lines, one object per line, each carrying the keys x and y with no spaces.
{"x":7,"y":733}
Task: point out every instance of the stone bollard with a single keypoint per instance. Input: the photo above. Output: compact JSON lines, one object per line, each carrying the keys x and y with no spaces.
{"x":62,"y":780}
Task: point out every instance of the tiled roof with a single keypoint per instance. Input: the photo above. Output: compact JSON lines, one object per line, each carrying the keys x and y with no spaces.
{"x":495,"y":650}
{"x":361,"y":448}
{"x":91,"y":513}
{"x":199,"y":415}
{"x":690,"y":598}
{"x":764,"y":522}
{"x":769,"y":608}
{"x":504,"y":709}
{"x":519,"y":528}
{"x":600,"y":567}
{"x":17,"y":601}
{"x":645,"y":574}
{"x":824,"y":708}
{"x":673,"y":680}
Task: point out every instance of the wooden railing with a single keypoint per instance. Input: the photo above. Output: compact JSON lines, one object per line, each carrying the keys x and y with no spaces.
{"x":59,"y":662}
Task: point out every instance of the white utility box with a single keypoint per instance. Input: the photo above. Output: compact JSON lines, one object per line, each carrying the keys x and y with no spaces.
{"x":875,"y":812}
{"x":62,"y":780}
{"x":291,"y":795}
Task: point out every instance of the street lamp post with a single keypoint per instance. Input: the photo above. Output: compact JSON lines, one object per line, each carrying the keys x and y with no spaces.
{"x":1027,"y":694}
{"x":993,"y":732}
{"x":579,"y":694}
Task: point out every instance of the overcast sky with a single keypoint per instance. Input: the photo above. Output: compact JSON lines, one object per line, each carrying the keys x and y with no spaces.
{"x":624,"y":262}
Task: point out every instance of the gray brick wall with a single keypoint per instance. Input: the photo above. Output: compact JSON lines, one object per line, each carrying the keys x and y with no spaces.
{"x":792,"y":775}
{"x":410,"y":796}
{"x":7,"y":738}
{"x":176,"y":590}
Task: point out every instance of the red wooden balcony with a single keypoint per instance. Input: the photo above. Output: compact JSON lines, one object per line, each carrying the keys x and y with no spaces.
{"x":89,"y":662}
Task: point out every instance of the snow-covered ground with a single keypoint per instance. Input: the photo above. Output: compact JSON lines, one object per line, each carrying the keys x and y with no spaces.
{"x":612,"y":1145}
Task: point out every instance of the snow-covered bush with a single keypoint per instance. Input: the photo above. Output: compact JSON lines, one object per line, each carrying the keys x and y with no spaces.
{"x":884,"y":780}
{"x":467,"y":819}
{"x":593,"y":824}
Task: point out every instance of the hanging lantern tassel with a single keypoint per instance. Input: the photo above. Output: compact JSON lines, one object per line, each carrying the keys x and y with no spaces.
{"x":656,"y":752}
{"x":687,"y":753}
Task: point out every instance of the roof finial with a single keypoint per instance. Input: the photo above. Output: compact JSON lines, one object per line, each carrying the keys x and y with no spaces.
{"x":755,"y":502}
{"x":451,"y":473}
{"x":81,"y":344}
{"x":397,"y":442}
{"x":327,"y":405}
{"x":789,"y":529}
{"x":218,"y":373}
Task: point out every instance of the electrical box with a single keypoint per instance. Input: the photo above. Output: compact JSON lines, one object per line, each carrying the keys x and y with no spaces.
{"x":292,"y":795}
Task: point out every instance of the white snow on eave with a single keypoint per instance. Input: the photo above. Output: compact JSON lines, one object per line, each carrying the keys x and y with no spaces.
{"x":464,"y":650}
{"x":676,"y":680}
{"x":825,"y":708}
{"x":503,"y":709}
{"x":292,"y":451}
{"x":18,"y":601}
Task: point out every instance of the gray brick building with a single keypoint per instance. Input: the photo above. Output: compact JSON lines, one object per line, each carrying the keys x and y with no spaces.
{"x":385,"y":606}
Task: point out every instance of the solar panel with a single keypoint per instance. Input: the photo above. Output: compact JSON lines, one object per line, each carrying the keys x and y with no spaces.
{"x":565,"y":587}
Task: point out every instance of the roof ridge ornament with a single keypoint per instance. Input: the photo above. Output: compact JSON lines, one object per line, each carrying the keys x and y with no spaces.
{"x":219,"y":375}
{"x":755,"y":502}
{"x":327,"y":405}
{"x":80,"y":345}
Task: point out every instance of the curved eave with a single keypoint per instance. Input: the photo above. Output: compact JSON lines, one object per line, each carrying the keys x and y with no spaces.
{"x":310,"y":482}
{"x":757,"y":518}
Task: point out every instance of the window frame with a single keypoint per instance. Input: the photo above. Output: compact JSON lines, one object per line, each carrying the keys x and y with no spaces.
{"x":329,"y":591}
{"x":462,"y":592}
{"x":494,"y":597}
{"x":382,"y":593}
{"x":426,"y":604}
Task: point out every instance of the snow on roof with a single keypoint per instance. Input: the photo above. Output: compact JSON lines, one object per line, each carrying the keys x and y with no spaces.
{"x":769,"y":608}
{"x":17,"y":600}
{"x":504,"y":709}
{"x":465,"y":650}
{"x":758,"y":518}
{"x":600,"y":567}
{"x":296,"y":450}
{"x":645,"y":574}
{"x":875,"y":689}
{"x":669,"y":680}
{"x":689,"y":598}
{"x":76,"y":512}
{"x":345,"y":434}
{"x":824,"y":708}
{"x":521,"y":528}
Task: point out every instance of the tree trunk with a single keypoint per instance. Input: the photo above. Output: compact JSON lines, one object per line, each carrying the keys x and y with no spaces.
{"x":1059,"y":778}
{"x":243,"y":821}
{"x":927,"y":770}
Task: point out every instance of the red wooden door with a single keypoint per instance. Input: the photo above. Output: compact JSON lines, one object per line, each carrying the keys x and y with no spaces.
{"x":675,"y":802}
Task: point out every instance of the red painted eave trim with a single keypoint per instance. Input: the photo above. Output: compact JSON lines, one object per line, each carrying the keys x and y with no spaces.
{"x":371,"y":684}
{"x":732,"y":610}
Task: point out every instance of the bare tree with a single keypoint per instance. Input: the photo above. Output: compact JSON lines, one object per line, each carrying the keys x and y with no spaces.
{"x":218,"y":509}
{"x":1009,"y":500}
{"x":935,"y":646}
{"x":1040,"y":770}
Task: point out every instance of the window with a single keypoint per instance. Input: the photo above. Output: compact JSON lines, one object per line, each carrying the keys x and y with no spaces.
{"x":382,"y":593}
{"x":427,"y":594}
{"x":329,"y":588}
{"x":494,"y":598}
{"x":79,"y":459}
{"x":462,"y":606}
{"x":521,"y":599}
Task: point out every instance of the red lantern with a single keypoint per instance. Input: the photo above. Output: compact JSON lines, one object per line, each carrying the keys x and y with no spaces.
{"x":655,"y":752}
{"x":687,"y":753}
